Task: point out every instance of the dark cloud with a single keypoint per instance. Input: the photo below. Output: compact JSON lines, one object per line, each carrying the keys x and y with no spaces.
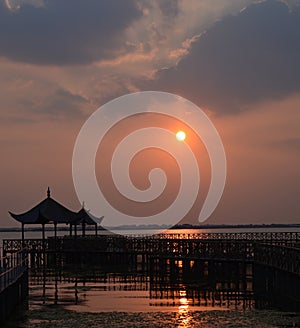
{"x":240,"y":60}
{"x":59,"y":103}
{"x":66,"y":32}
{"x":169,"y":7}
{"x":64,"y":103}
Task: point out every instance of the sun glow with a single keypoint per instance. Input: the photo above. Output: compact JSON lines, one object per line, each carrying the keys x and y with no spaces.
{"x":180,"y":136}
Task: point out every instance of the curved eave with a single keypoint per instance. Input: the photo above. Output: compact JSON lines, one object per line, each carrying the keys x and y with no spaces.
{"x":26,"y":218}
{"x":47,"y":211}
{"x":83,"y":216}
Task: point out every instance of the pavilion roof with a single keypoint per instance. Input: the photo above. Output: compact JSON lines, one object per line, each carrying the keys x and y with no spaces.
{"x":48,"y":210}
{"x":84,"y":216}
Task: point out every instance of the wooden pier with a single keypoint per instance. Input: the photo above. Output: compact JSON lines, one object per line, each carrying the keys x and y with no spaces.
{"x":260,"y":266}
{"x":13,"y":282}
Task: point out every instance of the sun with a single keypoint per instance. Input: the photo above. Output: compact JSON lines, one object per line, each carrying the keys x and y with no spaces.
{"x":180,"y":135}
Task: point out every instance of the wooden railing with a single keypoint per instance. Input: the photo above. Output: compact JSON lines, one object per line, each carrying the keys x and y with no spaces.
{"x":12,"y":267}
{"x":277,"y":249}
{"x":263,"y":236}
{"x":279,"y":257}
{"x":277,"y":238}
{"x":253,"y":236}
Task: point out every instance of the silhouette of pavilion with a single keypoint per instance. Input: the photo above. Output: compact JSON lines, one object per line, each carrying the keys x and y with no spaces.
{"x":50,"y":211}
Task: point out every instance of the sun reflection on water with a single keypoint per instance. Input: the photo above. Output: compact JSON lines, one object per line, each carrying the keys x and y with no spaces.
{"x":184,"y":316}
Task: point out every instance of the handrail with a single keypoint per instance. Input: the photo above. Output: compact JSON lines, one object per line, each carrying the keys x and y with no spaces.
{"x":281,"y":257}
{"x":199,"y":235}
{"x":278,"y":249}
{"x":12,"y":267}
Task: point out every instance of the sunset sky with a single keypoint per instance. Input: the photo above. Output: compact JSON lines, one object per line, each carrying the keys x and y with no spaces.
{"x":239,"y":60}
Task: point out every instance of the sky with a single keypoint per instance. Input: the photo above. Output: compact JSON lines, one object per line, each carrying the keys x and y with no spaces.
{"x":238,"y":60}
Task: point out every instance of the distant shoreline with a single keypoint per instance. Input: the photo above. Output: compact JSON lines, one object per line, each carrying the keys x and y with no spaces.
{"x":154,"y":227}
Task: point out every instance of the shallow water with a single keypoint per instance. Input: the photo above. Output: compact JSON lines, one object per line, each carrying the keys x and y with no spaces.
{"x":127,"y":293}
{"x":118,"y":300}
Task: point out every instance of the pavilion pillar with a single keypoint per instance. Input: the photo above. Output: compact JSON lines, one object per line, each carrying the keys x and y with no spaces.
{"x":23,"y":233}
{"x":44,"y":248}
{"x":96,"y":229}
{"x":55,"y":239}
{"x":83,"y":228}
{"x":75,"y":230}
{"x":70,"y":229}
{"x":55,"y":230}
{"x":43,"y":231}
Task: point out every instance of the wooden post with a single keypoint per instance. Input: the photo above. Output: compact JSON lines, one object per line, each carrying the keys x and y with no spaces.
{"x":23,"y":234}
{"x":55,"y":230}
{"x":75,"y":230}
{"x":96,"y":229}
{"x":43,"y":232}
{"x":83,"y":228}
{"x":71,"y":229}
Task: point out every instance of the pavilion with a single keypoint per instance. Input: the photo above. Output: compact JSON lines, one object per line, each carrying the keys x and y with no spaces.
{"x":49,"y":211}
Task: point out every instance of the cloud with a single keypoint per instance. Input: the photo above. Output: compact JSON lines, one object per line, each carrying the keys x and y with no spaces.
{"x":169,"y":7}
{"x":63,"y":103}
{"x":55,"y":105}
{"x":63,"y":32}
{"x":240,"y":60}
{"x":15,"y":5}
{"x":27,"y":97}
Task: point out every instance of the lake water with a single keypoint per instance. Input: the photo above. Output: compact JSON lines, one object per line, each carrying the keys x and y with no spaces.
{"x":117,"y":298}
{"x":126,"y":301}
